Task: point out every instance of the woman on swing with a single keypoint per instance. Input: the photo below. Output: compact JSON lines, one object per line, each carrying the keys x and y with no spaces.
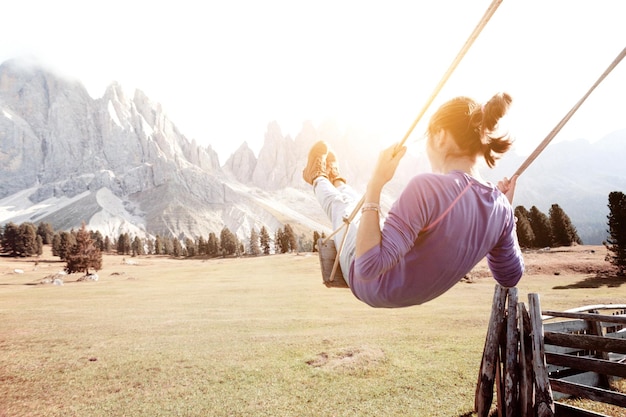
{"x":442,"y":224}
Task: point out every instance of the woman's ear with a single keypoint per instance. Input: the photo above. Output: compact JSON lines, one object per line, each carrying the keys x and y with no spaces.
{"x":438,"y":138}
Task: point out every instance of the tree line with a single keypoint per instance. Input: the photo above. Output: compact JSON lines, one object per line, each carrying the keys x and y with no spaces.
{"x":27,"y":239}
{"x":83,"y":249}
{"x":226,"y":244}
{"x":538,"y":230}
{"x":76,"y":248}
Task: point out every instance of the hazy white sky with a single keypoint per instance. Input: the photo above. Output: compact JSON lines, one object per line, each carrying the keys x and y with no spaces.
{"x":224,"y":69}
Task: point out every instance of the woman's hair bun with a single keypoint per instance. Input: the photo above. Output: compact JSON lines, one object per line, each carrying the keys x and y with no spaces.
{"x":494,"y":110}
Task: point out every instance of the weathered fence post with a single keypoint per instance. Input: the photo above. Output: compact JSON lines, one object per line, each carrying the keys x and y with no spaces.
{"x":511,"y":363}
{"x":489,"y":363}
{"x":515,"y":358}
{"x":527,"y":383}
{"x":544,"y":403}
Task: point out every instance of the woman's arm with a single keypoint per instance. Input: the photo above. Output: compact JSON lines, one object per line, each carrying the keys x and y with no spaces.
{"x":507,"y":187}
{"x":368,"y":234}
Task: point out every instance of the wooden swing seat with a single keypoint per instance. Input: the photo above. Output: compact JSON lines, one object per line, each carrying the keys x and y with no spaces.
{"x":328,"y":253}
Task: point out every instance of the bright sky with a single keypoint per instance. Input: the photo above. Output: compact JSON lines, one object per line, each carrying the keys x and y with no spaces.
{"x":223,"y":69}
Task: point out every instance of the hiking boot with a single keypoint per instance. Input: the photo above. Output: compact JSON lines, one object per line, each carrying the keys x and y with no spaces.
{"x":332,"y":168}
{"x":316,"y":164}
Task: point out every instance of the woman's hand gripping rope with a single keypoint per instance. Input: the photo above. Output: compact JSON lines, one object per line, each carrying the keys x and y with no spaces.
{"x":388,"y":162}
{"x":368,"y":233}
{"x":507,"y":187}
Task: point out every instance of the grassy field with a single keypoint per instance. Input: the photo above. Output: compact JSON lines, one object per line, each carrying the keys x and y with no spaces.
{"x":245,"y":337}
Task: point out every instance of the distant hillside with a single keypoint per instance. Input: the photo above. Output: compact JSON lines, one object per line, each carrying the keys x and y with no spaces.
{"x":576,"y":175}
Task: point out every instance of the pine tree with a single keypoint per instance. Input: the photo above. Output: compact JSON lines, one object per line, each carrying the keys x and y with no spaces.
{"x":98,"y":240}
{"x":83,"y":255}
{"x":563,"y":232}
{"x":149,"y":246}
{"x":201,"y":245}
{"x":137,"y":247}
{"x":123,"y":244}
{"x":264,"y":239}
{"x":46,"y":232}
{"x":616,"y":243}
{"x":316,"y":237}
{"x":190,"y":247}
{"x":168,"y":245}
{"x":56,"y":244}
{"x":27,"y":240}
{"x":158,"y":245}
{"x":10,"y":237}
{"x":228,"y":242}
{"x":66,"y":241}
{"x":213,"y":245}
{"x":280,"y":245}
{"x":107,"y":244}
{"x":255,"y":249}
{"x":541,"y":228}
{"x":177,"y":248}
{"x":39,"y":245}
{"x":292,"y":241}
{"x":524,"y":230}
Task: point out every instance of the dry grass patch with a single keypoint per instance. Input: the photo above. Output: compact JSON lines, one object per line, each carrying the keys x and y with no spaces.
{"x":242,"y":337}
{"x":355,"y":359}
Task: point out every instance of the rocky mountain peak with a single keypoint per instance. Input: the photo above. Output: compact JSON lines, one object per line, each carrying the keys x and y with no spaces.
{"x":120,"y":164}
{"x":273,"y":170}
{"x":241,"y":164}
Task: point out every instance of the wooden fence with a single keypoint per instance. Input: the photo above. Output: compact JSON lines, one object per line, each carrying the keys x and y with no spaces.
{"x":535,"y":359}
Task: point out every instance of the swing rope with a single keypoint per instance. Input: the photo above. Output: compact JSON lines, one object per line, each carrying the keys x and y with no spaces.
{"x":568,"y":116}
{"x":483,"y":22}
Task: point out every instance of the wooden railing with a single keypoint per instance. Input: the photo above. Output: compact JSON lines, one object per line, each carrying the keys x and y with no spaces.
{"x":536,"y":359}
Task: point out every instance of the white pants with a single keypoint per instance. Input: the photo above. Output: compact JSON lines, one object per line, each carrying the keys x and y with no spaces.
{"x":339,"y":203}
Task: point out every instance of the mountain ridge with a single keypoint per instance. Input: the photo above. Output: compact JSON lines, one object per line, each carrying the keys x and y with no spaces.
{"x":121,"y":165}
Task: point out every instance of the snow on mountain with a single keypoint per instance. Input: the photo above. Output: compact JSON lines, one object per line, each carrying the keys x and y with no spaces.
{"x":18,"y":208}
{"x":120,"y":165}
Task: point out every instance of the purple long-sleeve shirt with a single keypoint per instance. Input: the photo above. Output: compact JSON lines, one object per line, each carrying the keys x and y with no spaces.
{"x":440,"y":227}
